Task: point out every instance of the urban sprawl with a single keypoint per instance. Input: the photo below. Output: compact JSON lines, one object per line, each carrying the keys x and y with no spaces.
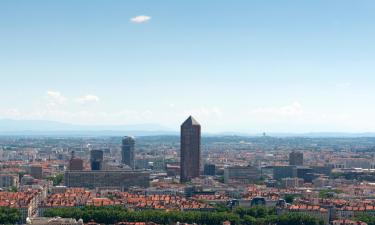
{"x":187,"y":179}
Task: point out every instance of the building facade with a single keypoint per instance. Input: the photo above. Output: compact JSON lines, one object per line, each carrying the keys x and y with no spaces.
{"x":127,"y":151}
{"x":209,"y":169}
{"x":291,"y":182}
{"x":280,"y":172}
{"x":9,"y":180}
{"x":296,"y":158}
{"x":241,"y":174}
{"x":306,"y":173}
{"x":96,"y":159}
{"x":190,"y":149}
{"x":75,"y":163}
{"x":36,"y":171}
{"x":118,"y":179}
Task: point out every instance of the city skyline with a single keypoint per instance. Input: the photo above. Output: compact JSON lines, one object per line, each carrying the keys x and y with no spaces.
{"x":253,"y":66}
{"x":100,"y":103}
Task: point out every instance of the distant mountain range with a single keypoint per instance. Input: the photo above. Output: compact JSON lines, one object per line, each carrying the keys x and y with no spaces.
{"x":53,"y":128}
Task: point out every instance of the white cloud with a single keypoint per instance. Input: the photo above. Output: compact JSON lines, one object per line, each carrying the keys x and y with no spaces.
{"x":297,"y":118}
{"x":11,"y":113}
{"x":205,"y":112}
{"x":140,"y":19}
{"x":289,"y":110}
{"x":55,"y":98}
{"x":87,"y":99}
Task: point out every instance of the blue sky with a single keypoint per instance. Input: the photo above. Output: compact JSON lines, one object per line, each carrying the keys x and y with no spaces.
{"x":249,"y":66}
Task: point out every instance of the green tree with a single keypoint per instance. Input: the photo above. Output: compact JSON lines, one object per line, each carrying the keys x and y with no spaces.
{"x":9,"y":215}
{"x":370,"y":220}
{"x":57,"y":180}
{"x":289,"y":198}
{"x":249,"y":220}
{"x":13,"y":189}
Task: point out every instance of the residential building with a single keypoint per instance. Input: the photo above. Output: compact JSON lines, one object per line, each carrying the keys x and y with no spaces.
{"x":291,"y":182}
{"x":9,"y":180}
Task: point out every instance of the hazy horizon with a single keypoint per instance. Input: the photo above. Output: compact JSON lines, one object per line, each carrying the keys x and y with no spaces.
{"x":238,"y":66}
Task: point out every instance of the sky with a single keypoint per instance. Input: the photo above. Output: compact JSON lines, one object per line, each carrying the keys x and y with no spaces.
{"x":246,"y":66}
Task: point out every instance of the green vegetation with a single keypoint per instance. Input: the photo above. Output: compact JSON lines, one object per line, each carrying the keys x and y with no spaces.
{"x":247,"y":216}
{"x":260,"y":181}
{"x":370,"y":220}
{"x":220,"y":207}
{"x":297,"y":219}
{"x":260,"y":215}
{"x":13,"y":189}
{"x":256,"y":212}
{"x":335,"y":175}
{"x":57,"y":180}
{"x":9,"y":215}
{"x":329,"y":193}
{"x":109,"y":215}
{"x":289,"y":198}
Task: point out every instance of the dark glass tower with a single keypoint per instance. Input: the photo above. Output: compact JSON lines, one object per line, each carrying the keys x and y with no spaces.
{"x":296,"y":158}
{"x":190,"y":149}
{"x":96,"y":159}
{"x":127,"y":151}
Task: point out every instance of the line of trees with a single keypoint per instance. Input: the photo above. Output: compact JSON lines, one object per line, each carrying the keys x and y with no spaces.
{"x":9,"y":215}
{"x":113,"y":214}
{"x":370,"y":220}
{"x":239,"y":216}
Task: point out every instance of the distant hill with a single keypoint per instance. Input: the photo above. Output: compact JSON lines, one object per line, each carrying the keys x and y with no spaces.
{"x":324,"y":134}
{"x":44,"y":127}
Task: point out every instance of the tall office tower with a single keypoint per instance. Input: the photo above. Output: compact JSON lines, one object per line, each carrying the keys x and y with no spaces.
{"x":75,"y":163}
{"x":296,"y":158}
{"x":96,"y":159}
{"x":127,"y":151}
{"x":209,"y":169}
{"x":190,"y":149}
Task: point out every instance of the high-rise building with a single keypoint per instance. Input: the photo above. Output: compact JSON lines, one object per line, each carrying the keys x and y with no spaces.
{"x":96,"y":159}
{"x":296,"y":158}
{"x":190,"y":149}
{"x":127,"y":151}
{"x":75,"y":163}
{"x":209,"y":169}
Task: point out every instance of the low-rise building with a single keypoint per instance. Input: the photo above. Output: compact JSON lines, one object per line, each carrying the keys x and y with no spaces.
{"x":291,"y":182}
{"x":120,"y":179}
{"x":311,"y":210}
{"x":9,"y":180}
{"x":241,"y":174}
{"x":53,"y":221}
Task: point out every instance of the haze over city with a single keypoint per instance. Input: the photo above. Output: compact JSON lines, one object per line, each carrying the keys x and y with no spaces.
{"x":242,"y":66}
